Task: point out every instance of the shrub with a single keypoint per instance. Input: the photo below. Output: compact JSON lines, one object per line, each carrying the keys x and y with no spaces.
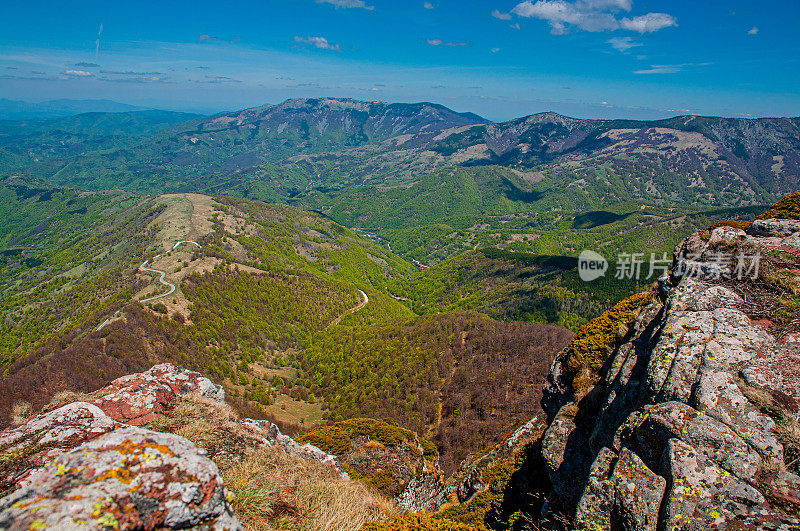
{"x":590,"y":344}
{"x":736,"y":224}
{"x":787,"y":208}
{"x":336,"y":439}
{"x":421,"y":522}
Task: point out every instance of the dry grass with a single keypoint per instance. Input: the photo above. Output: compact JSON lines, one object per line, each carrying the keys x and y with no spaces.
{"x":774,"y":295}
{"x":63,"y":398}
{"x":787,"y":423}
{"x":21,"y":411}
{"x":273,"y":490}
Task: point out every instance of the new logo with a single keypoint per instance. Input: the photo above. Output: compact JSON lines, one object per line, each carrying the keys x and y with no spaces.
{"x":591,"y":265}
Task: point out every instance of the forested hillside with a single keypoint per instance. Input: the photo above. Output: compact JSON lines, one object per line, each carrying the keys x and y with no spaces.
{"x":318,"y":151}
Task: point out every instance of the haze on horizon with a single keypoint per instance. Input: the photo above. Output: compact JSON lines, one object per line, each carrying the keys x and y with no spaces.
{"x":498,"y":58}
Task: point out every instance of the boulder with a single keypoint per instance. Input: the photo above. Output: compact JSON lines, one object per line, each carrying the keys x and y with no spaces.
{"x":137,"y":398}
{"x":46,"y":436}
{"x":622,"y":493}
{"x":128,"y":478}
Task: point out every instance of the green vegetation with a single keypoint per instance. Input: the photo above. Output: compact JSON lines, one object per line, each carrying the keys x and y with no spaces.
{"x":66,"y":258}
{"x":460,"y":379}
{"x":788,"y":207}
{"x":593,"y":342}
{"x":513,"y":286}
{"x":336,"y":438}
{"x":234,"y":310}
{"x":421,"y":522}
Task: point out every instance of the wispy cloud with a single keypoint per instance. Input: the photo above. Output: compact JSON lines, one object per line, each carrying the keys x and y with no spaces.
{"x":318,"y":42}
{"x":494,"y":50}
{"x":220,"y":79}
{"x":660,"y":69}
{"x":206,"y":38}
{"x":87,"y":65}
{"x":78,"y":73}
{"x":97,"y":41}
{"x":669,"y":69}
{"x":347,"y":4}
{"x":649,"y":23}
{"x":623,"y":44}
{"x":440,"y":42}
{"x":130,"y":73}
{"x":753,"y":31}
{"x":428,"y":5}
{"x":590,"y":15}
{"x":502,"y":16}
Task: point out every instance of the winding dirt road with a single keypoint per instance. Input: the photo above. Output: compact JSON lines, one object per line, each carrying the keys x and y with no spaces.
{"x":163,"y":280}
{"x":351,"y":310}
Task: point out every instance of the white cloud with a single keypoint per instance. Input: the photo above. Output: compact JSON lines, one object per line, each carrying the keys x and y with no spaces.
{"x":669,"y":69}
{"x":660,"y":69}
{"x":78,"y":73}
{"x":623,"y":44}
{"x":428,"y":5}
{"x":649,"y":23}
{"x":440,"y":42}
{"x":318,"y":42}
{"x":347,"y":4}
{"x":590,"y":15}
{"x":502,"y":16}
{"x":561,"y":14}
{"x":753,"y":31}
{"x":494,"y":50}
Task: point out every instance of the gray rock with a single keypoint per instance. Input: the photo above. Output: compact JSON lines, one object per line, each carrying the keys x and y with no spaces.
{"x":626,"y":497}
{"x":719,"y":396}
{"x":774,"y":227}
{"x":127,"y":478}
{"x":651,"y":429}
{"x":703,"y":495}
{"x":566,"y":455}
{"x":49,"y":435}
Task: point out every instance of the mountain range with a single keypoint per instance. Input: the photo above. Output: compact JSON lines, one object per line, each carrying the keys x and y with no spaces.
{"x":306,"y":145}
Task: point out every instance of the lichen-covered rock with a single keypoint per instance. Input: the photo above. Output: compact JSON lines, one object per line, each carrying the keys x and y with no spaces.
{"x":702,"y":494}
{"x":45,"y":437}
{"x":597,"y":501}
{"x":137,"y":398}
{"x":774,"y":227}
{"x":697,"y":405}
{"x":129,"y":478}
{"x":79,"y":467}
{"x":566,"y":455}
{"x":622,"y":493}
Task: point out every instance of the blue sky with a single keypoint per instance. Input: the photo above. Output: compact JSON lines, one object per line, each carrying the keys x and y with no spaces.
{"x":498,"y":58}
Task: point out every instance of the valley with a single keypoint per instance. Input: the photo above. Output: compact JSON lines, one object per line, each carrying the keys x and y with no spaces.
{"x":392,"y":283}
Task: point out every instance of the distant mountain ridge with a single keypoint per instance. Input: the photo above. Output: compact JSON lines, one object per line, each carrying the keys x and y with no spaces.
{"x":311,"y":146}
{"x":25,"y":110}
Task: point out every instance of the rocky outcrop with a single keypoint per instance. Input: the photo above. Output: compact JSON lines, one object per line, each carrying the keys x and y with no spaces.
{"x":93,"y":464}
{"x":687,"y":421}
{"x":128,"y":478}
{"x":79,"y":466}
{"x":430,"y":491}
{"x":137,"y":398}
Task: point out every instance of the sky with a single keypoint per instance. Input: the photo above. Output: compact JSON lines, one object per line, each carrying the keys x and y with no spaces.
{"x":498,"y":58}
